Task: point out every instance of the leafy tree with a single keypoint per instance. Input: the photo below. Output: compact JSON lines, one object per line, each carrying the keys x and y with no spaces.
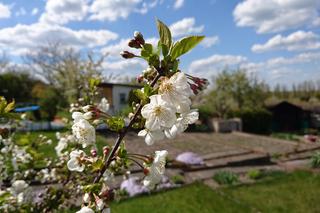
{"x":234,"y":90}
{"x":17,"y":85}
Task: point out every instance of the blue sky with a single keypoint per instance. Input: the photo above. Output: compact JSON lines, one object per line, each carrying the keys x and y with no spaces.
{"x":276,"y":40}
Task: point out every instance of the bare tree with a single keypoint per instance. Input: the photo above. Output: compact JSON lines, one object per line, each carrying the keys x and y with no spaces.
{"x":65,"y":68}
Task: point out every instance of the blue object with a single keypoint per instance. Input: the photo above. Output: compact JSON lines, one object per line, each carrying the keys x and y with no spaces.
{"x":27,"y":109}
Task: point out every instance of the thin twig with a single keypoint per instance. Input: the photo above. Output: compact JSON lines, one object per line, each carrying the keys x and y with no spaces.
{"x":121,"y":135}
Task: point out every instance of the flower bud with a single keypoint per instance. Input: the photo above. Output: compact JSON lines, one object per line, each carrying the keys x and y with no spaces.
{"x":93,"y":152}
{"x":139,"y":38}
{"x":106,"y":150}
{"x":127,"y":54}
{"x":145,"y":171}
{"x":134,"y":44}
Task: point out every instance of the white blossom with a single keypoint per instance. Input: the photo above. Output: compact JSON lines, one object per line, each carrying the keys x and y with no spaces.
{"x":62,"y":144}
{"x":104,"y":105}
{"x":176,"y":91}
{"x":158,"y":113}
{"x":151,"y":136}
{"x":182,"y":123}
{"x":85,"y":210}
{"x":75,"y":162}
{"x":156,"y":170}
{"x":18,"y":189}
{"x":84,"y":132}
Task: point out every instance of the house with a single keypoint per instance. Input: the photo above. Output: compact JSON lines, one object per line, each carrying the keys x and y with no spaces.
{"x":117,"y":95}
{"x":289,"y":117}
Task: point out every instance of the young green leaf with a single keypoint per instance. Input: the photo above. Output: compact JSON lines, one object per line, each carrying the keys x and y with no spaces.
{"x":164,"y":33}
{"x":185,"y":45}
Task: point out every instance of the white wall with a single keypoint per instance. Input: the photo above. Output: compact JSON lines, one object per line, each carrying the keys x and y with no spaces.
{"x":116,"y":91}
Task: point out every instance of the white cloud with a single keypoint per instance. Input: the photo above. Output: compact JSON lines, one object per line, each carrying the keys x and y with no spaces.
{"x":210,"y":41}
{"x":185,"y":26}
{"x":275,"y":70}
{"x":178,"y":4}
{"x":64,"y":11}
{"x":122,"y":69}
{"x":215,"y":63}
{"x":19,"y":39}
{"x":297,"y":41}
{"x":4,"y":11}
{"x":276,"y":15}
{"x":34,"y":11}
{"x":103,"y":10}
{"x":114,"y":50}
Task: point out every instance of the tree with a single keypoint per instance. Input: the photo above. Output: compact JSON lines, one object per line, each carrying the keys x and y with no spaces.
{"x":65,"y":68}
{"x":235,"y":90}
{"x":17,"y":85}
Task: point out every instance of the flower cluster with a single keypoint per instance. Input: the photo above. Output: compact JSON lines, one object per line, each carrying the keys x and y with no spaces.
{"x":168,"y":112}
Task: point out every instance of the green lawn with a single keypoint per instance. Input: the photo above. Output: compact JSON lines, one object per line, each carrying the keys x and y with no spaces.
{"x":295,"y":192}
{"x":193,"y":198}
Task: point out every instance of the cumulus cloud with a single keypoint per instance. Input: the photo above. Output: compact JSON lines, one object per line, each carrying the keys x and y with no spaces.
{"x":4,"y":11}
{"x":297,"y":41}
{"x":103,"y":10}
{"x":64,"y":11}
{"x":185,"y":26}
{"x":178,"y":4}
{"x":19,"y":39}
{"x":122,"y":69}
{"x":114,"y":50}
{"x":210,"y":41}
{"x":276,"y":15}
{"x":274,"y":70}
{"x":212,"y":65}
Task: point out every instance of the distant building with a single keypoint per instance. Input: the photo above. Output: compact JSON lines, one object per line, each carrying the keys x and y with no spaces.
{"x":117,"y":94}
{"x":289,"y":117}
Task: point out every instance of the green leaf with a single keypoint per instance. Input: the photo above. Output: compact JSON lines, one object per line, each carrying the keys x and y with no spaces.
{"x":165,"y":50}
{"x":140,"y":95}
{"x":164,"y":33}
{"x":115,"y":123}
{"x":184,"y":45}
{"x":97,"y":165}
{"x":9,"y":107}
{"x":146,"y":50}
{"x":94,"y":188}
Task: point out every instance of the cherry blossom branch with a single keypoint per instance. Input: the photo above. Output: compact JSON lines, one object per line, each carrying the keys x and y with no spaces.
{"x":121,"y":135}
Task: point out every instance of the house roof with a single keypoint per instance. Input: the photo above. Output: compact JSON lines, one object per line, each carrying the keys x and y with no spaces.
{"x":305,"y":106}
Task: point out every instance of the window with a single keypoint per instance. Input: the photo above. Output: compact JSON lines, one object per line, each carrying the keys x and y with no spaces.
{"x":122,"y":97}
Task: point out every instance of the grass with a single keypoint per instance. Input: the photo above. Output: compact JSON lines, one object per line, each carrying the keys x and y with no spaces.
{"x":294,"y":192}
{"x":189,"y":199}
{"x":276,"y":192}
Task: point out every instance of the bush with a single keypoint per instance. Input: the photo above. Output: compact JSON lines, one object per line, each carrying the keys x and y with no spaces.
{"x":178,"y":179}
{"x":315,"y":160}
{"x":254,"y":174}
{"x":255,"y":120}
{"x":226,"y":178}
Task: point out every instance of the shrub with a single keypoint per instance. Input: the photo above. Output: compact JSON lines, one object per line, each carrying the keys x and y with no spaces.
{"x":255,"y":120}
{"x":178,"y":179}
{"x":226,"y":178}
{"x":254,"y":174}
{"x":315,"y":160}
